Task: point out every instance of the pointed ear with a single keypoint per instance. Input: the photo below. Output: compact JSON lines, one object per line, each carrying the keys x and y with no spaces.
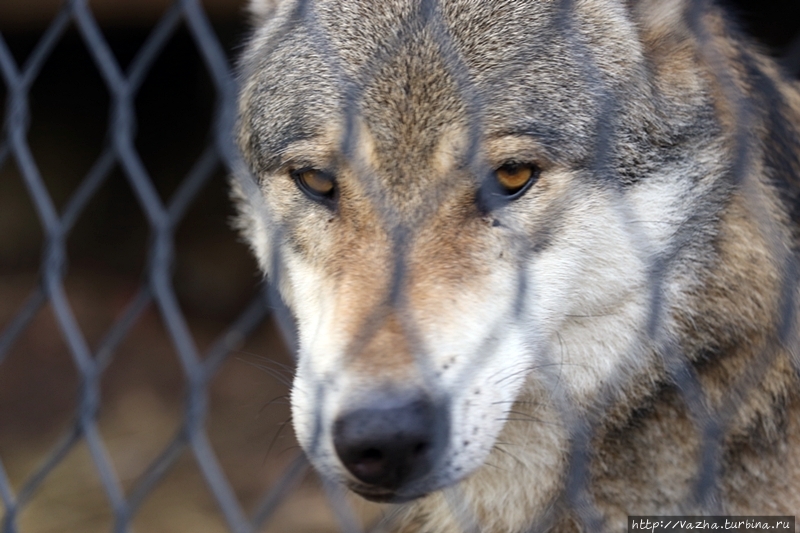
{"x":662,"y":22}
{"x":262,"y":10}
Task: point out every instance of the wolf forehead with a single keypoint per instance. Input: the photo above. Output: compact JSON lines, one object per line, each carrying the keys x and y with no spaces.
{"x":507,"y":66}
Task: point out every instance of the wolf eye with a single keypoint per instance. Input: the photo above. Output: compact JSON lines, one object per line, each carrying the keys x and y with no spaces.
{"x":515,"y":178}
{"x":318,"y":185}
{"x":505,"y":184}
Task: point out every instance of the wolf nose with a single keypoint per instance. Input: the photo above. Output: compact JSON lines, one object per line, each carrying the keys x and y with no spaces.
{"x":386,"y":445}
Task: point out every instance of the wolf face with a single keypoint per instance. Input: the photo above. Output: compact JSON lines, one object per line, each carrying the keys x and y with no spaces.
{"x":467,"y":206}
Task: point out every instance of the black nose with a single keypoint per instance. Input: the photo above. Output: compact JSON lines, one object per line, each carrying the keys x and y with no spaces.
{"x":389,"y":443}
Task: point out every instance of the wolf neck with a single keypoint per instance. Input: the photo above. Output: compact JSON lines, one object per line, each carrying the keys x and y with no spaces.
{"x":746,"y":412}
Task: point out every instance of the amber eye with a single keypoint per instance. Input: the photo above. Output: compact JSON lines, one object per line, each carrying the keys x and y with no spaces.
{"x":315,"y":183}
{"x":514,"y":178}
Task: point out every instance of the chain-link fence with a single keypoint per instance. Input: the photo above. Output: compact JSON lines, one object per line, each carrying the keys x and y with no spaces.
{"x":164,"y":214}
{"x":163,"y":218}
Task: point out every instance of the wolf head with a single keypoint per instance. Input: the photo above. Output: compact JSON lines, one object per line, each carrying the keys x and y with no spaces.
{"x":466,"y":206}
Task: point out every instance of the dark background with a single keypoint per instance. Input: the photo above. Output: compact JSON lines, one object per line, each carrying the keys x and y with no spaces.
{"x":214,"y":279}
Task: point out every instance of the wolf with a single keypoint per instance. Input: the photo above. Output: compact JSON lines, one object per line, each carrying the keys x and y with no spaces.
{"x":540,"y":256}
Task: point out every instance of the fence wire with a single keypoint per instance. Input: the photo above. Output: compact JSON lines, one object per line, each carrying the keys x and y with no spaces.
{"x":221,"y":153}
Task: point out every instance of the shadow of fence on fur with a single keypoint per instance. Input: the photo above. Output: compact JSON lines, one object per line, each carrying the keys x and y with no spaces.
{"x":163,"y":217}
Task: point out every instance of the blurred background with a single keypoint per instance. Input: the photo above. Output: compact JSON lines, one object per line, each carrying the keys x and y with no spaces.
{"x":214,"y":278}
{"x":143,"y":388}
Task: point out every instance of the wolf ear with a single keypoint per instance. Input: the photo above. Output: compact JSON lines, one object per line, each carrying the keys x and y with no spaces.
{"x":664,"y":28}
{"x":659,"y":19}
{"x":262,"y":10}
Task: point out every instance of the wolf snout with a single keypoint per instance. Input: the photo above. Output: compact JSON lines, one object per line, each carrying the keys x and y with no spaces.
{"x":391,"y":442}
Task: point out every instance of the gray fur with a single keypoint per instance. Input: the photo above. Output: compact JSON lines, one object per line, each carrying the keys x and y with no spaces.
{"x":617,"y":99}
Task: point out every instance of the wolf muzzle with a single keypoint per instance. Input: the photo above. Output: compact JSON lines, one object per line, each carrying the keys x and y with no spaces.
{"x":394,"y":441}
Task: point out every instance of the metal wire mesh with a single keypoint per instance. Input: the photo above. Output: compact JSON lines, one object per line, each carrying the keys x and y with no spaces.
{"x":158,"y":288}
{"x":221,"y":152}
